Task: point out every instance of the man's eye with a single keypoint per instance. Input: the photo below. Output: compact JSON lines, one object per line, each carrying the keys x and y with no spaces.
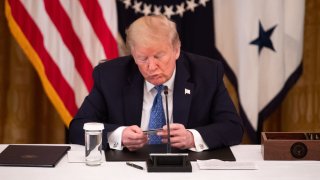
{"x":143,"y":59}
{"x":158,"y":56}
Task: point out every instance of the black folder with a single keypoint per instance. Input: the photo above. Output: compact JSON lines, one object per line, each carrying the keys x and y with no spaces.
{"x":32,"y":155}
{"x":142,"y":154}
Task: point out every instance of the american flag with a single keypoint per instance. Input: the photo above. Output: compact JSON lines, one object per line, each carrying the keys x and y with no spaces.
{"x":64,"y":40}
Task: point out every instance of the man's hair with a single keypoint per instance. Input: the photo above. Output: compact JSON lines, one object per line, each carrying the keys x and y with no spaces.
{"x":154,"y":28}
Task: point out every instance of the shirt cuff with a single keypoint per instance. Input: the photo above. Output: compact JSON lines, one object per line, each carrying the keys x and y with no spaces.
{"x":115,"y":138}
{"x":199,"y":143}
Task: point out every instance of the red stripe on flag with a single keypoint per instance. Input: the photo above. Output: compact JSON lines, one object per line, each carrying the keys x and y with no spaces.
{"x":35,"y":38}
{"x":71,"y":40}
{"x":95,"y":16}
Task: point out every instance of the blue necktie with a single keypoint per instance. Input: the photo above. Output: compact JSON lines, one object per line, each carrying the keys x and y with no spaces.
{"x":157,"y":117}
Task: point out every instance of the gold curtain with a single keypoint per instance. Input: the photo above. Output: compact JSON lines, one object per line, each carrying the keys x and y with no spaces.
{"x":300,"y":111}
{"x":27,"y":116}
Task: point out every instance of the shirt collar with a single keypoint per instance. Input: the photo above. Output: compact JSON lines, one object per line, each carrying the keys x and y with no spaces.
{"x":169,"y":83}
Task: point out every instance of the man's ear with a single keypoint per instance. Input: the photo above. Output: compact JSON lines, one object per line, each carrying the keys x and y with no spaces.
{"x":177,"y":52}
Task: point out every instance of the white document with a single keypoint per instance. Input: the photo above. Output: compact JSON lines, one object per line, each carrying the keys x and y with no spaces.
{"x":218,"y":164}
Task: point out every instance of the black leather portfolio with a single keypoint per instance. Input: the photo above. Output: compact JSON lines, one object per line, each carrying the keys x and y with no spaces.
{"x":32,"y":155}
{"x":142,"y":154}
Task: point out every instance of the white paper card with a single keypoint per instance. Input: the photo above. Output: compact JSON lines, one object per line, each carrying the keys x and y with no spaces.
{"x":218,"y":164}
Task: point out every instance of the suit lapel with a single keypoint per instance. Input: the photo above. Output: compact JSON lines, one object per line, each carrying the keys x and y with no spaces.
{"x":182,"y":94}
{"x":133,"y":98}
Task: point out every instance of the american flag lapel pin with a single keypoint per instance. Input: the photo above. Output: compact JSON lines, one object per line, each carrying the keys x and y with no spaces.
{"x":187,"y":91}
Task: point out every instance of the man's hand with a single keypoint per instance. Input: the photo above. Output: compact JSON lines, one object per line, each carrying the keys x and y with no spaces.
{"x":180,"y":137}
{"x":133,"y":138}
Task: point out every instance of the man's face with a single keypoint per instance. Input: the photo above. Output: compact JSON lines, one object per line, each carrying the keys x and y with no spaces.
{"x":156,"y":61}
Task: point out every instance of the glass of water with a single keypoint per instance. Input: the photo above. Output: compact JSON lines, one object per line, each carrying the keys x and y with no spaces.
{"x":93,"y":143}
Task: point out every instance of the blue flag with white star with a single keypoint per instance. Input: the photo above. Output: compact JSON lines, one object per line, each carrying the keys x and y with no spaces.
{"x":261,"y":41}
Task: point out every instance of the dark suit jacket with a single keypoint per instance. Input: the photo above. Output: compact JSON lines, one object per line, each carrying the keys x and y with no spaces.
{"x":117,"y":95}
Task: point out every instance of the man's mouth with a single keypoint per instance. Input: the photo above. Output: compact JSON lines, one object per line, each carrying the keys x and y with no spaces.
{"x":154,"y":76}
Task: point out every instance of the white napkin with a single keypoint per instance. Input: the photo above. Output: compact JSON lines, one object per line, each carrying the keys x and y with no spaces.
{"x":218,"y":164}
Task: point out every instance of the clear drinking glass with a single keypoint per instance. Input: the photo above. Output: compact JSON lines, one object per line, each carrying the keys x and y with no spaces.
{"x":93,"y":143}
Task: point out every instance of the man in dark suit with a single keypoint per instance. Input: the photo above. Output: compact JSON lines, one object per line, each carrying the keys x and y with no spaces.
{"x":201,"y":113}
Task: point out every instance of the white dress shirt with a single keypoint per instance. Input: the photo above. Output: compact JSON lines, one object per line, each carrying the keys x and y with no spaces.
{"x":149,"y":92}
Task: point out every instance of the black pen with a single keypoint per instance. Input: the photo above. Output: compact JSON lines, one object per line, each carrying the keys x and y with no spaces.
{"x":134,"y":165}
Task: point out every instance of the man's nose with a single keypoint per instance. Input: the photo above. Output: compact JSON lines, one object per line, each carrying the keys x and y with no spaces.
{"x":152,"y":64}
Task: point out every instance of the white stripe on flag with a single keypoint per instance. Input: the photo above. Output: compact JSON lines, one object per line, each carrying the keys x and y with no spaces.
{"x":81,"y":25}
{"x":110,"y":15}
{"x":57,"y":49}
